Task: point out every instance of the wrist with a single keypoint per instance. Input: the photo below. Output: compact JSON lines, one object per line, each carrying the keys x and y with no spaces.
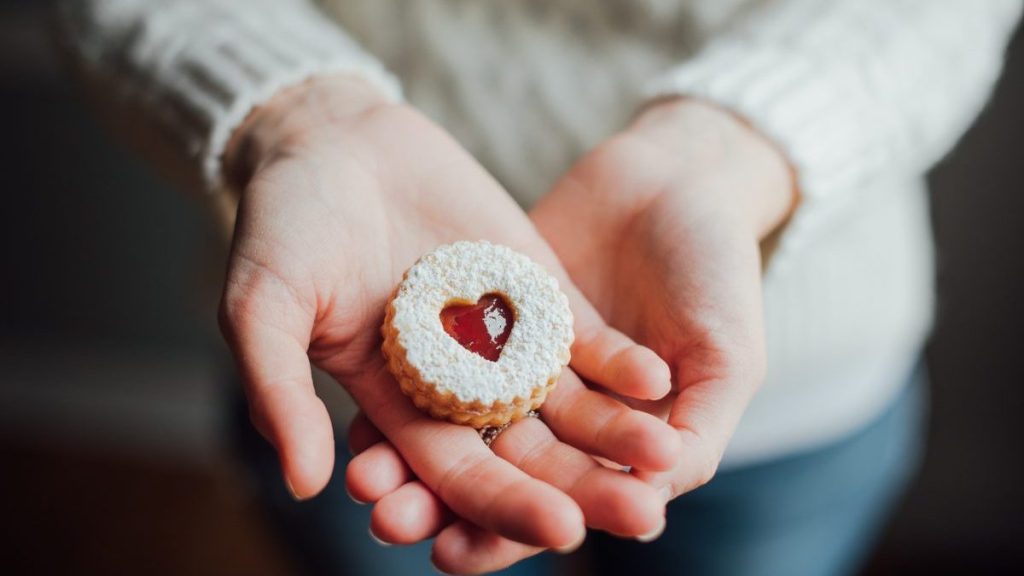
{"x":717,"y":150}
{"x":293,"y":114}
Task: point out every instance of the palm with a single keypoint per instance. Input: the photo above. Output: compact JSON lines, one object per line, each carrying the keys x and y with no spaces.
{"x":359,"y":235}
{"x":662,"y":262}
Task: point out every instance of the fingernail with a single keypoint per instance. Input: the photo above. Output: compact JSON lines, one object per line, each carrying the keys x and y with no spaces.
{"x":291,"y":490}
{"x":377,"y":540}
{"x":653,"y":534}
{"x":569,"y":549}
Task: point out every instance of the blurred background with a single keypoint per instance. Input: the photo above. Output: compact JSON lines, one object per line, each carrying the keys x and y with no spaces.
{"x":112,"y":374}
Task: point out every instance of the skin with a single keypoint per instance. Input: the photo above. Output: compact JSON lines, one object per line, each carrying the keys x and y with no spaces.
{"x":662,"y":227}
{"x":342,"y":192}
{"x":683,"y":199}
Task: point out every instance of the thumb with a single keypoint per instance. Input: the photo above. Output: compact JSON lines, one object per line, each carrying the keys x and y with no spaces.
{"x":268,"y":332}
{"x":600,"y":353}
{"x":609,"y":358}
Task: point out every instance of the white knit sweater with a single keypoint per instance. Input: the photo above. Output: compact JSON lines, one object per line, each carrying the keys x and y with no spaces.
{"x":862,"y":95}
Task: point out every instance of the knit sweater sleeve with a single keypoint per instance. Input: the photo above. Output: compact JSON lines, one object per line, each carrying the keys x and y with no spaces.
{"x":196,"y":68}
{"x":853,"y":90}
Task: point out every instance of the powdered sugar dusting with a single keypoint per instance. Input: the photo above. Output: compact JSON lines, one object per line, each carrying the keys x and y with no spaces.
{"x":494,"y":322}
{"x":537,"y":348}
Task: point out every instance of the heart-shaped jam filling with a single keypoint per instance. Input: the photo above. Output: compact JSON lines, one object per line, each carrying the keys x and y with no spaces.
{"x":482,"y":328}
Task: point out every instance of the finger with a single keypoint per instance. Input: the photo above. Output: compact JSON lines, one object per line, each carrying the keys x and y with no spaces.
{"x":608,"y":357}
{"x":601,"y":425}
{"x":611,"y":500}
{"x":376,"y":472}
{"x":600,"y":353}
{"x":265,"y":333}
{"x":705,"y":415}
{"x":463,"y":548}
{"x":362,"y":434}
{"x":475,"y":484}
{"x":719,"y":372}
{"x":410,"y":514}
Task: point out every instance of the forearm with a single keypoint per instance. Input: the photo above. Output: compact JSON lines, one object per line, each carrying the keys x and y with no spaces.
{"x":719,"y":153}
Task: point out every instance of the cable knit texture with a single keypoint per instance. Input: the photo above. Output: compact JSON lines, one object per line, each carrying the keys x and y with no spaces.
{"x":203,"y":65}
{"x":853,"y":91}
{"x":863,"y":96}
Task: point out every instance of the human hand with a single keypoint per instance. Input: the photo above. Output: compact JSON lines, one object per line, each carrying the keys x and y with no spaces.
{"x":659,"y":227}
{"x":342,"y":192}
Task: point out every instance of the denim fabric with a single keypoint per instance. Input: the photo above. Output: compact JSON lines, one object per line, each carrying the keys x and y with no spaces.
{"x":816,"y":513}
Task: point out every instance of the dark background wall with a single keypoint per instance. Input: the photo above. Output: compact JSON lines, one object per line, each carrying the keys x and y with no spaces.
{"x":966,"y":512}
{"x":108,"y":349}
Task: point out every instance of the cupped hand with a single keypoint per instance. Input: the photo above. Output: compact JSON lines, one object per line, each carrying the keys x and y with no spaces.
{"x":660,"y":228}
{"x":342,"y":192}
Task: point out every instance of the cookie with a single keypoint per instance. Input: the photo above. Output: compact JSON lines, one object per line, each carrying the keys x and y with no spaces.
{"x":477,"y":334}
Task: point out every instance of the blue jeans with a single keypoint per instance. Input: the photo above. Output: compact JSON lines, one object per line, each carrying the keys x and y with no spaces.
{"x":816,"y":513}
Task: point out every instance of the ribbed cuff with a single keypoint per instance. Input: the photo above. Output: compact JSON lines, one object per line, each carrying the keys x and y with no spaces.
{"x":235,"y":60}
{"x":815,"y":114}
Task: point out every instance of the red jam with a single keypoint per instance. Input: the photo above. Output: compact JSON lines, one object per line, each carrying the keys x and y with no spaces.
{"x":482,"y":328}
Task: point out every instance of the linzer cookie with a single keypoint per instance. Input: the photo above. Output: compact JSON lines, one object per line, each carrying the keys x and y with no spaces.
{"x":477,"y":334}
